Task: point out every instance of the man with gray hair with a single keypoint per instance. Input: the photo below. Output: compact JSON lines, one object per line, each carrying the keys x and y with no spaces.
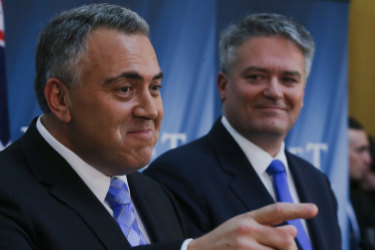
{"x":242,"y":163}
{"x":71,"y":181}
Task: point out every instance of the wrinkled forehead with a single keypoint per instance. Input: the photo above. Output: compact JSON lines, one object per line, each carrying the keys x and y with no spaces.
{"x":115,"y":52}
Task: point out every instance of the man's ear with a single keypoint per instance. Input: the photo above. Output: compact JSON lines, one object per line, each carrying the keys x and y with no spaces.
{"x":222,"y":81}
{"x":56,"y":94}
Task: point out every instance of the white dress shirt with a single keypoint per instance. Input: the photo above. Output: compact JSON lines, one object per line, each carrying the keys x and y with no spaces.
{"x":260,"y":160}
{"x":96,"y":181}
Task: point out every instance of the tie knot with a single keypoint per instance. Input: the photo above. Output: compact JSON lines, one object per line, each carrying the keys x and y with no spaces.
{"x":118,"y":193}
{"x":276,"y":167}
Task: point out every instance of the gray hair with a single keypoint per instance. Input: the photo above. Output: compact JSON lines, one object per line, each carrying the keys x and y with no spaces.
{"x":263,"y":24}
{"x":63,"y":42}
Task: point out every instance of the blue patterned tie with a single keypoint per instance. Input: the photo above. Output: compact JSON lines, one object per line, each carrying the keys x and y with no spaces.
{"x":118,"y":199}
{"x":277,"y":170}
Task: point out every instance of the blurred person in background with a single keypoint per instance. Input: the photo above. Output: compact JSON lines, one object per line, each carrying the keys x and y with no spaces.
{"x":361,"y":178}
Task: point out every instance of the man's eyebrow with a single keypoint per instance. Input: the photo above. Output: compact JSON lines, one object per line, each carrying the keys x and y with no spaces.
{"x":158,"y":76}
{"x":293,"y":73}
{"x":252,"y":68}
{"x":132,"y":75}
{"x":264,"y":70}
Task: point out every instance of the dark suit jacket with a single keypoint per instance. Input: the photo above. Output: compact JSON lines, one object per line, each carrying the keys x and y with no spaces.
{"x":45,"y":205}
{"x":213,"y":181}
{"x":365,"y":215}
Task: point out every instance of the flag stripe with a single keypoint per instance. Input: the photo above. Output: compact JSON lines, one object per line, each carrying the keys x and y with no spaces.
{"x":4,"y":116}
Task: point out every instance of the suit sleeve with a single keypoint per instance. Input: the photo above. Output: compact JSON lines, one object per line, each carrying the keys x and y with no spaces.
{"x":185,"y":191}
{"x":14,"y":224}
{"x":173,"y":245}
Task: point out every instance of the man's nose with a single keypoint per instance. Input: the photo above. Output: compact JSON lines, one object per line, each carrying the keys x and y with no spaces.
{"x":273,"y":88}
{"x":147,"y":106}
{"x":367,"y":158}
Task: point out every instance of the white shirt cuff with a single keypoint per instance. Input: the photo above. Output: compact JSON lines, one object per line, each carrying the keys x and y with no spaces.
{"x":185,"y":244}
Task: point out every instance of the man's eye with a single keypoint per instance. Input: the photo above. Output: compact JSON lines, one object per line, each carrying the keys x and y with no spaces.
{"x":156,"y":87}
{"x":289,"y":80}
{"x":254,"y":77}
{"x":125,"y":89}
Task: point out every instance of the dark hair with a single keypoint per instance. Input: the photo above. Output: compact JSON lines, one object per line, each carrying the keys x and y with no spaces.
{"x":263,"y":24}
{"x":63,"y":42}
{"x":354,"y":124}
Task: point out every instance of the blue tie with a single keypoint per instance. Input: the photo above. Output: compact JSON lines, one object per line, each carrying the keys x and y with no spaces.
{"x":119,"y":200}
{"x":280,"y":183}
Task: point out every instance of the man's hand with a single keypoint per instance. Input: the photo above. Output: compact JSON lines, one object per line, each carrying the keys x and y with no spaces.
{"x":254,"y":230}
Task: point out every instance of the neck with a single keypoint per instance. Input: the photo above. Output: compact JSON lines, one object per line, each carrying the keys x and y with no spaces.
{"x":56,"y":128}
{"x":59,"y":131}
{"x":270,"y":144}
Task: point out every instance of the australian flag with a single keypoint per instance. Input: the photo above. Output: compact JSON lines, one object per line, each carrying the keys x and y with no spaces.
{"x":4,"y":116}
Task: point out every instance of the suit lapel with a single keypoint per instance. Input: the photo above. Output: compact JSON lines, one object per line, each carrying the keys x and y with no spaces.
{"x":86,"y":205}
{"x":52,"y":170}
{"x":244,"y":181}
{"x":159,"y":218}
{"x":307,"y":192}
{"x":144,"y":208}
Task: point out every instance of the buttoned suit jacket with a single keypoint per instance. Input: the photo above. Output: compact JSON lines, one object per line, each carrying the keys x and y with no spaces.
{"x":212,"y":180}
{"x":44,"y":204}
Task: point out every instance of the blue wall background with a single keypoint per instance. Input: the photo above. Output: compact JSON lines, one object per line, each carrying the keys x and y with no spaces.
{"x":185,"y":35}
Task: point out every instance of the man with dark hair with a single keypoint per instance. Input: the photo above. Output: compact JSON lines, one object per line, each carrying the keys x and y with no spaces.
{"x":71,"y":181}
{"x":362,"y":234}
{"x":242,"y":164}
{"x":359,"y":152}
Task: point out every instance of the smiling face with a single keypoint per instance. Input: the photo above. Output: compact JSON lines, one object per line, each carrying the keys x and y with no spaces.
{"x":263,"y":93}
{"x":116,"y":112}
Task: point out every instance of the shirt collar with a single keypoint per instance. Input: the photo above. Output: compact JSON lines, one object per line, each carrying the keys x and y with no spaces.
{"x":257,"y":157}
{"x":97,"y":182}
